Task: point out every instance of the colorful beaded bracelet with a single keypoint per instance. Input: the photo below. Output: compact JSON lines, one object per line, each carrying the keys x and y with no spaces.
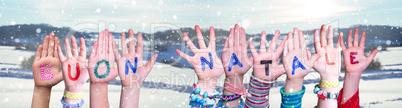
{"x":215,"y":94}
{"x":323,"y":94}
{"x":228,"y":98}
{"x":72,"y":105}
{"x":220,"y":104}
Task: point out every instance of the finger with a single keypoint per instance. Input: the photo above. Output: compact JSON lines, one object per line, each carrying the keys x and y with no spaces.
{"x":123,"y":44}
{"x":371,"y":56}
{"x":308,"y":54}
{"x":286,"y":49}
{"x":317,"y":44}
{"x":362,"y":39}
{"x":200,"y":37}
{"x":110,"y":44}
{"x":330,"y":36}
{"x":313,"y":59}
{"x":243,"y":42}
{"x":231,"y":38}
{"x":236,"y":36}
{"x":280,"y":48}
{"x":356,"y":39}
{"x":302,"y":40}
{"x":290,"y":41}
{"x":106,"y":40}
{"x":350,"y":39}
{"x":182,"y":55}
{"x":38,"y":52}
{"x":281,"y":71}
{"x":189,"y":43}
{"x":341,"y":39}
{"x":131,"y":42}
{"x":140,"y":45}
{"x":274,"y":40}
{"x":75,"y":47}
{"x":253,"y":51}
{"x":151,"y":63}
{"x":68,"y":48}
{"x":51,"y":45}
{"x":57,"y":41}
{"x":60,"y":53}
{"x":116,"y":52}
{"x":338,"y":42}
{"x":83,"y":48}
{"x":296,"y":39}
{"x":323,"y":41}
{"x":212,"y":42}
{"x":226,"y":45}
{"x":101,"y":43}
{"x":94,"y":50}
{"x":263,"y":42}
{"x":45,"y":46}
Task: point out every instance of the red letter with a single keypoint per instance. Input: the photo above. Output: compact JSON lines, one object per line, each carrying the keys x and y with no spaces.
{"x":352,"y":57}
{"x":329,"y":63}
{"x":78,"y":72}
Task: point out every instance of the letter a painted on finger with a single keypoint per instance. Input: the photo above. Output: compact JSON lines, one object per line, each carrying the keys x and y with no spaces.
{"x":234,"y":61}
{"x":133,"y":68}
{"x":204,"y":61}
{"x":352,"y":58}
{"x":77,"y":67}
{"x":297,"y":64}
{"x":328,"y":62}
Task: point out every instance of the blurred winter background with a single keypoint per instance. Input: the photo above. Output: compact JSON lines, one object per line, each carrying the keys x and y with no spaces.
{"x":24,"y":23}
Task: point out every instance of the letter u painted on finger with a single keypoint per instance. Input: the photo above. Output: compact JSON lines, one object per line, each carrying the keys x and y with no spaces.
{"x":204,"y":61}
{"x":234,"y":61}
{"x":129,"y":66}
{"x":77,"y":67}
{"x":46,"y":71}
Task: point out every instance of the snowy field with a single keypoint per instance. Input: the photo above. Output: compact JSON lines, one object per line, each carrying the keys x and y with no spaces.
{"x":17,"y":92}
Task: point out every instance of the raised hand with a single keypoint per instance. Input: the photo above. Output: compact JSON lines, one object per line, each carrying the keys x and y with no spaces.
{"x":212,"y":70}
{"x":45,"y":71}
{"x":270,"y":58}
{"x":234,"y":55}
{"x":101,"y":69}
{"x":47,"y":58}
{"x":329,"y":63}
{"x":297,"y":61}
{"x":101,"y":59}
{"x":141,"y":71}
{"x":355,"y":60}
{"x":75,"y":70}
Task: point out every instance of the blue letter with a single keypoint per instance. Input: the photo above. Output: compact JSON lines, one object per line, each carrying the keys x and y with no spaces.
{"x":204,"y":61}
{"x":297,"y":64}
{"x":128,"y":65}
{"x":235,"y":62}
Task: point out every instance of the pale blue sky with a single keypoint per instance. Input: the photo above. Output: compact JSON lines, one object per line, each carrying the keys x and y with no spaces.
{"x":255,"y":15}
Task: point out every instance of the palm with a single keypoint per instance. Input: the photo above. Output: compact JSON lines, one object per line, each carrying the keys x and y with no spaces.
{"x":236,"y":44}
{"x":142,"y":71}
{"x":296,"y":54}
{"x":360,"y":62}
{"x":274,"y":70}
{"x":46,"y":55}
{"x":71,"y":62}
{"x":102,"y":50}
{"x":207,"y":74}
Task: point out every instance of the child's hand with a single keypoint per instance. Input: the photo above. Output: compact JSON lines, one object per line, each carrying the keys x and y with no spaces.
{"x":271,"y":56}
{"x":47,"y":58}
{"x":209,"y":74}
{"x":75,"y":70}
{"x":297,"y":59}
{"x":329,"y":63}
{"x":355,"y":60}
{"x":102,"y":59}
{"x":235,"y":50}
{"x":128,"y":78}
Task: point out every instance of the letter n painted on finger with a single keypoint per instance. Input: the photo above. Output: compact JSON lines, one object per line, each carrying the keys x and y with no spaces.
{"x":204,"y":61}
{"x":129,"y":66}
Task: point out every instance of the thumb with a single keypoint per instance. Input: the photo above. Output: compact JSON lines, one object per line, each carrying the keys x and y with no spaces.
{"x":371,"y":56}
{"x":151,"y":63}
{"x":313,"y":59}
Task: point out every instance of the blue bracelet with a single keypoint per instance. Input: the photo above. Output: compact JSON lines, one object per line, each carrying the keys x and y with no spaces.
{"x":72,"y":105}
{"x":223,"y":106}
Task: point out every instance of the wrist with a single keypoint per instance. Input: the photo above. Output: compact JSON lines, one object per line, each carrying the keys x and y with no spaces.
{"x":73,"y":89}
{"x":293,"y":85}
{"x":208,"y":86}
{"x":236,"y":81}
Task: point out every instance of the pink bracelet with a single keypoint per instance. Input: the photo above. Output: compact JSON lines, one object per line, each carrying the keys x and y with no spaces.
{"x":231,"y":88}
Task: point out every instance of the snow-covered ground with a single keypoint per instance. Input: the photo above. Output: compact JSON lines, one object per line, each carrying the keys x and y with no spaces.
{"x":17,"y":92}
